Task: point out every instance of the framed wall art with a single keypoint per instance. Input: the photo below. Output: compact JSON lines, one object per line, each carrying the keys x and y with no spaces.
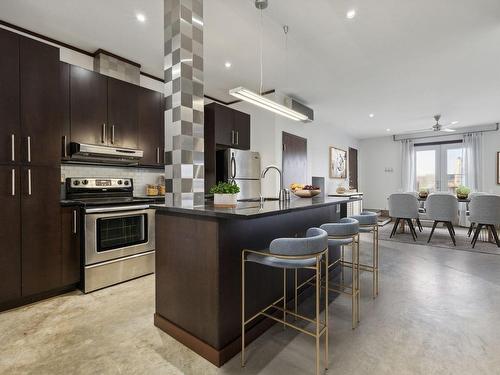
{"x":338,"y":163}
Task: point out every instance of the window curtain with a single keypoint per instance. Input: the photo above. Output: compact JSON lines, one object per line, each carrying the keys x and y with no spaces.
{"x":408,"y":161}
{"x":471,"y":168}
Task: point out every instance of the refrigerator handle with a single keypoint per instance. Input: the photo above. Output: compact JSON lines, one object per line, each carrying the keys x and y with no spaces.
{"x":233,"y":167}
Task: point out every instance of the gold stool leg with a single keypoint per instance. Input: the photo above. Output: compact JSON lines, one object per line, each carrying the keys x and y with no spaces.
{"x":374,"y":264}
{"x":295,"y":300}
{"x":318,"y":288}
{"x":243,"y":309}
{"x":353,"y":284}
{"x":342,"y":264}
{"x":284,"y":298}
{"x":326,"y":310}
{"x":358,"y":281}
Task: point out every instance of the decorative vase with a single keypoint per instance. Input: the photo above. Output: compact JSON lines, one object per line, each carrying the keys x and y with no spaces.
{"x":225,"y":200}
{"x":462,"y":196}
{"x":423,"y":194}
{"x":341,"y":190}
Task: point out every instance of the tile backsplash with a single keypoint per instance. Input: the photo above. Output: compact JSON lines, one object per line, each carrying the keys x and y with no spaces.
{"x":141,"y":176}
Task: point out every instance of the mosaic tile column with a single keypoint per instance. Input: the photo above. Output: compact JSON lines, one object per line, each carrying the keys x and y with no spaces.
{"x":184,"y":144}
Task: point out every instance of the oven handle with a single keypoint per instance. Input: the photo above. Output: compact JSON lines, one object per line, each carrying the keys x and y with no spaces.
{"x":116,"y":209}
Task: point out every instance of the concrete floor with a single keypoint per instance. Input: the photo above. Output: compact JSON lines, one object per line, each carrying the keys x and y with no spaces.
{"x":438,"y":313}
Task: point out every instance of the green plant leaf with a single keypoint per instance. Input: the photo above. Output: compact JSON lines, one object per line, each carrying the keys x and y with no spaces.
{"x":225,"y":188}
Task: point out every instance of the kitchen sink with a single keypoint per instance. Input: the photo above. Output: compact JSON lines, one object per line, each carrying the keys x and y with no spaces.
{"x":258,"y":199}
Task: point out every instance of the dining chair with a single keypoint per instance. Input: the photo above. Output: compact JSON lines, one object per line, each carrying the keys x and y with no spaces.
{"x":484,"y":211}
{"x":467,"y":212}
{"x":442,"y":208}
{"x":404,"y":207}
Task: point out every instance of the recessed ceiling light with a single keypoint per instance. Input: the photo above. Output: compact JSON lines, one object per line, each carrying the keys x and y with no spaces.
{"x":227,"y":64}
{"x":454,"y":122}
{"x":351,"y":14}
{"x":140,"y":17}
{"x":387,"y":130}
{"x":371,"y":115}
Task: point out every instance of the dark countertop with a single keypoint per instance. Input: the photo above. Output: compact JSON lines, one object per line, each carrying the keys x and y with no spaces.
{"x":251,"y":210}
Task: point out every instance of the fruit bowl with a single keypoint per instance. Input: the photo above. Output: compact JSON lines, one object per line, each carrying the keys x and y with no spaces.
{"x":306,"y":193}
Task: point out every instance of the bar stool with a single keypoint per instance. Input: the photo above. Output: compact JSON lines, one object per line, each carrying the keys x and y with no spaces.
{"x":368,"y":223}
{"x":346,"y":232}
{"x":291,"y":253}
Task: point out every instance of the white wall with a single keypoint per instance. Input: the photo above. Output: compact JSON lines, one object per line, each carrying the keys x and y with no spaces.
{"x":266,"y":138}
{"x":378,"y":154}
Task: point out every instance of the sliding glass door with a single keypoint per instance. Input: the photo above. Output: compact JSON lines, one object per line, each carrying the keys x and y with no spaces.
{"x":439,"y":166}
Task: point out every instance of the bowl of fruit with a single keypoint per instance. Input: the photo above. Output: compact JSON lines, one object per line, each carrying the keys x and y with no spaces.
{"x":305,"y":191}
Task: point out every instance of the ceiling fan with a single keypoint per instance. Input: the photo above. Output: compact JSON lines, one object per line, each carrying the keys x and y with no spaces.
{"x":438,"y":127}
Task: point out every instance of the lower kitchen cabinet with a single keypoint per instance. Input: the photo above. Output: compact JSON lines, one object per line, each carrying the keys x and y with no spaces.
{"x":10,"y":234}
{"x":40,"y":229}
{"x":70,"y":245}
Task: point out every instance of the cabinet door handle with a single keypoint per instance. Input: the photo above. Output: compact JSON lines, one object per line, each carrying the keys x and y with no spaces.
{"x":13,"y":173}
{"x":29,"y":181}
{"x":237,"y":137}
{"x":65,"y":146}
{"x":103,"y":140}
{"x":112,"y":134}
{"x":29,"y":149}
{"x":13,"y":146}
{"x":232,"y":137}
{"x":74,"y":222}
{"x":157,"y":155}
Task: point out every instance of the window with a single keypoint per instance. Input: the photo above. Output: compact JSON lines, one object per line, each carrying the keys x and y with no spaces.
{"x":439,"y":166}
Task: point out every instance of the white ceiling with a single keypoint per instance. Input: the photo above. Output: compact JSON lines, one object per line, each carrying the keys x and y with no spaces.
{"x":403,"y":60}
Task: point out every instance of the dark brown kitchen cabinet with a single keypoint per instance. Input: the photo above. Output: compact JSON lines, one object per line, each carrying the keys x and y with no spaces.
{"x":10,"y":129}
{"x":40,"y":105}
{"x":40,"y":229}
{"x":10,"y":234}
{"x":231,"y":128}
{"x":64,"y":70}
{"x":88,"y":106}
{"x":241,"y":129}
{"x":122,"y":113}
{"x":70,"y":245}
{"x":151,"y":127}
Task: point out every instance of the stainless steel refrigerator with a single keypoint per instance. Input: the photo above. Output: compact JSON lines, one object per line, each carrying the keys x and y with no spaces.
{"x":243,"y":167}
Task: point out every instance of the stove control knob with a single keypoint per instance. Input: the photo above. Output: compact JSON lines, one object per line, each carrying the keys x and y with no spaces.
{"x":126,"y":182}
{"x":85,"y":182}
{"x":76,"y":182}
{"x":119,"y":182}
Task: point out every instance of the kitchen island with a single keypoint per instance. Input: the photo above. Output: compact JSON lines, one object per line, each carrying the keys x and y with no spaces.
{"x":198,"y":267}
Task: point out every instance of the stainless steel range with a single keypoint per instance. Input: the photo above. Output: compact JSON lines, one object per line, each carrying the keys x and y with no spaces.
{"x":119,"y":231}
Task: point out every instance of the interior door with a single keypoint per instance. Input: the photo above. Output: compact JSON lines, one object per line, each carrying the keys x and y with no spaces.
{"x":10,"y":130}
{"x":123,"y":113}
{"x":40,"y":103}
{"x":41,"y":229}
{"x":10,"y":234}
{"x":294,"y":159}
{"x":353,"y":168}
{"x":89,"y":106}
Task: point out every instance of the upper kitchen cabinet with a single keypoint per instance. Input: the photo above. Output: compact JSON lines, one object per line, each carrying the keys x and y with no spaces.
{"x":40,"y":103}
{"x":230,"y":128}
{"x":64,"y":70}
{"x":122,"y":113}
{"x":151,"y":127}
{"x":10,"y":129}
{"x":89,"y":106}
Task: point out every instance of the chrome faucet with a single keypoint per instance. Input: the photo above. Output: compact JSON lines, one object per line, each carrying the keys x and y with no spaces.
{"x":284,"y":194}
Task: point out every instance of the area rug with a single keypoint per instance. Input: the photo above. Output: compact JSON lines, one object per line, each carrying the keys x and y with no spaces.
{"x":440,"y":238}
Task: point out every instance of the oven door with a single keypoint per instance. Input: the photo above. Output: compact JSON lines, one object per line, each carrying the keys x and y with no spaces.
{"x":116,"y":232}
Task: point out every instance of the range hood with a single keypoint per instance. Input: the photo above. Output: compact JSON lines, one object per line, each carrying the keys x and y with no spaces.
{"x":84,"y":152}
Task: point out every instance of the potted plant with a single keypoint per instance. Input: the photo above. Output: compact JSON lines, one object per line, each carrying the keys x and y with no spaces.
{"x":225,"y":194}
{"x":463,"y":192}
{"x":423,"y":193}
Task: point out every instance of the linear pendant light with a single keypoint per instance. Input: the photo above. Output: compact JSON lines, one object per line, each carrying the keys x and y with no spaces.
{"x":261,"y":101}
{"x":257,"y":99}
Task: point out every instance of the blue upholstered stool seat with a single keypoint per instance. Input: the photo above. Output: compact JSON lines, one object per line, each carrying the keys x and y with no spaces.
{"x":345,"y":227}
{"x":280,"y":262}
{"x":366,"y":218}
